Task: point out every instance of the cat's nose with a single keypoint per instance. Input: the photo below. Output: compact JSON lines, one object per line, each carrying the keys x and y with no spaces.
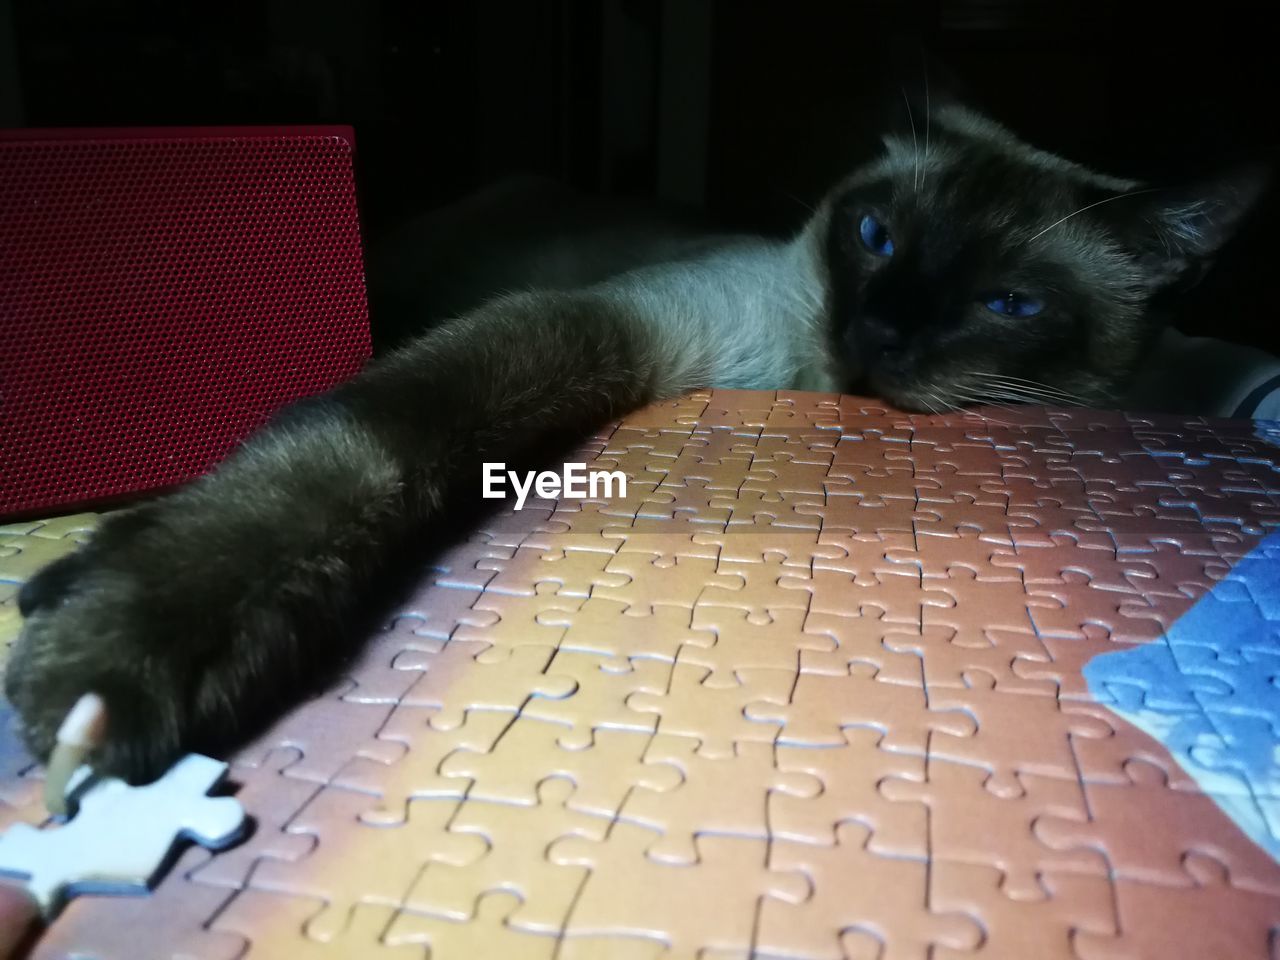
{"x":877,"y":337}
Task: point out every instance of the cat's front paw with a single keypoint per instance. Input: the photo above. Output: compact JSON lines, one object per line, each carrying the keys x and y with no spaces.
{"x":109,"y":619}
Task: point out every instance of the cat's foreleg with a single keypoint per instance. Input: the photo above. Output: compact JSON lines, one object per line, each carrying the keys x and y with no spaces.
{"x":198,"y":614}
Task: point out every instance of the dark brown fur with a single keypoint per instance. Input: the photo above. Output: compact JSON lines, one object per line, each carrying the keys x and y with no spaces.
{"x":201,"y":614}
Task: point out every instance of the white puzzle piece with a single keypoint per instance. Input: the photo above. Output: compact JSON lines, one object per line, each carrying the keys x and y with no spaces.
{"x":121,"y":836}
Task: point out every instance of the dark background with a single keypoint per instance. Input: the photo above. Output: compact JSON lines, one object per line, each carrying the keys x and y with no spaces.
{"x":747,"y":109}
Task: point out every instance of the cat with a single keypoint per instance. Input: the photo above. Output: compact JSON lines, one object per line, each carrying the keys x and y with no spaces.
{"x":959,"y":266}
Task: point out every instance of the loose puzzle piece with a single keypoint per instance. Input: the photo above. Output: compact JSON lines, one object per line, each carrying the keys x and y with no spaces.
{"x":121,"y":836}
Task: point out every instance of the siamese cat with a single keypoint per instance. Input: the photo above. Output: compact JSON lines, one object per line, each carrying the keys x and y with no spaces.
{"x":959,"y":266}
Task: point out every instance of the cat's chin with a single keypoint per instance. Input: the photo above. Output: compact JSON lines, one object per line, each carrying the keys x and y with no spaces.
{"x":902,"y":396}
{"x":910,"y":404}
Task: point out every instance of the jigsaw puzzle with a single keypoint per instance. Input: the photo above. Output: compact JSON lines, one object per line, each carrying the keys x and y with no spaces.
{"x":830,"y":682}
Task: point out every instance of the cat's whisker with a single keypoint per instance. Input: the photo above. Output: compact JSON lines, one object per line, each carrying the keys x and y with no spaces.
{"x":950,"y":406}
{"x":992,"y":398}
{"x":1089,"y":206}
{"x":987,"y":404}
{"x":1004,"y":396}
{"x":1014,"y":396}
{"x":1032,"y":388}
{"x":1037,"y":385}
{"x":928,"y":121}
{"x":808,"y":206}
{"x":1050,"y":399}
{"x":1029,"y":393}
{"x":975,"y":390}
{"x":1022,"y":381}
{"x":915,"y":143}
{"x":946,"y":405}
{"x":964,"y":397}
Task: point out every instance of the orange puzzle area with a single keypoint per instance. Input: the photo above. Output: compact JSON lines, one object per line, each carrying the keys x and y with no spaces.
{"x":813,"y":689}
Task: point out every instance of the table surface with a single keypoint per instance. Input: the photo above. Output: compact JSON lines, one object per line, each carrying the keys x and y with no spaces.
{"x":829,"y":681}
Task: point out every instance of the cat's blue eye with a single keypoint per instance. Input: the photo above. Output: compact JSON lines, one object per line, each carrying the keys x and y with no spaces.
{"x":875,"y":236}
{"x":1015,"y":305}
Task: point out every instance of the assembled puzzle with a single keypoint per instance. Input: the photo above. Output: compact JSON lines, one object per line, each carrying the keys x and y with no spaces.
{"x":830,"y":681}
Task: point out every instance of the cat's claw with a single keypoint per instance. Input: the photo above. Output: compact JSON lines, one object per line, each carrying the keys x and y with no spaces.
{"x":82,"y":635}
{"x":108,"y":619}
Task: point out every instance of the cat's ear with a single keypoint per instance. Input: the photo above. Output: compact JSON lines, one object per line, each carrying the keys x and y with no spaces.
{"x":1179,"y":230}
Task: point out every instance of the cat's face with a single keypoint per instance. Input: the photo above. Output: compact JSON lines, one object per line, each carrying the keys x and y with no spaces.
{"x":965,"y":266}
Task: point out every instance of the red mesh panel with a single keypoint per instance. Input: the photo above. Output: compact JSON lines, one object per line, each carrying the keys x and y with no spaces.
{"x":161,"y":293}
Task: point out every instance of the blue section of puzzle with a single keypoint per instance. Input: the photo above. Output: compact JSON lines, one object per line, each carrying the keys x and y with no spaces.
{"x":1210,"y":692}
